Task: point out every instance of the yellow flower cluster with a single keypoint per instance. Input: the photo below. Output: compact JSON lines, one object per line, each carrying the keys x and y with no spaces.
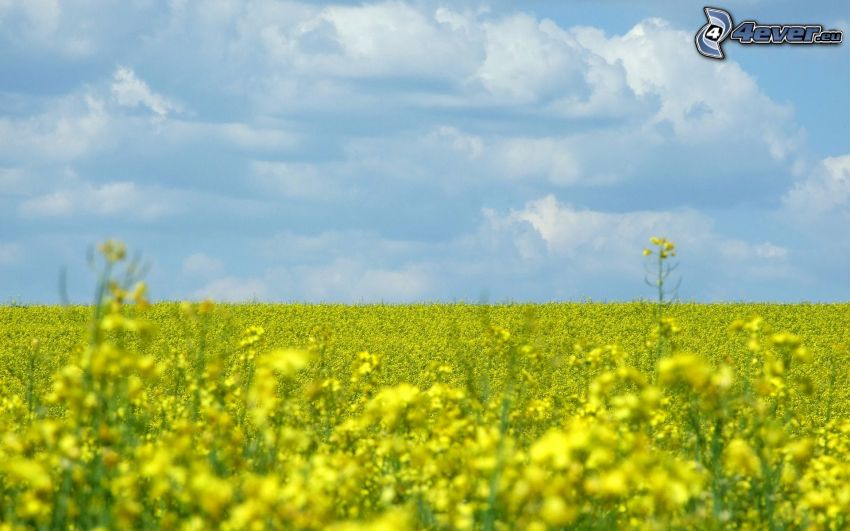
{"x":193,"y":416}
{"x":664,"y":248}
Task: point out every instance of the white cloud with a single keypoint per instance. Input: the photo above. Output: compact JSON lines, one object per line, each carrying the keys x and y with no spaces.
{"x":201,"y":264}
{"x":114,"y":199}
{"x":650,"y":72}
{"x":130,"y":91}
{"x":43,"y":16}
{"x":702,"y":100}
{"x":451,"y":158}
{"x":612,"y":240}
{"x":405,"y":285}
{"x":335,"y":279}
{"x":319,"y":249}
{"x":295,"y":180}
{"x":69,"y":128}
{"x":388,"y":38}
{"x":527,"y":59}
{"x":54,"y":204}
{"x":354,"y":281}
{"x":10,"y":253}
{"x":45,"y":24}
{"x":575,"y":232}
{"x":549,"y":158}
{"x":454,"y":158}
{"x":546,"y":248}
{"x":606,"y":90}
{"x":825,"y":191}
{"x":649,"y":81}
{"x":735,"y":250}
{"x":658,"y":99}
{"x":233,"y":289}
{"x":470,"y":145}
{"x":249,"y":137}
{"x":12,"y":181}
{"x":769,"y":250}
{"x":81,"y":124}
{"x":125,"y":198}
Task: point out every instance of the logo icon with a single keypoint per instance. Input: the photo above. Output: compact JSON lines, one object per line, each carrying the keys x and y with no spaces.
{"x":709,"y":38}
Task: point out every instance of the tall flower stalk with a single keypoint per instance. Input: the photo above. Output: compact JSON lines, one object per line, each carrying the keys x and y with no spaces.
{"x":659,"y":269}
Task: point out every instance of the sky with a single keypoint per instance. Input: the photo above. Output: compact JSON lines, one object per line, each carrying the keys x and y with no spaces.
{"x":417,"y":151}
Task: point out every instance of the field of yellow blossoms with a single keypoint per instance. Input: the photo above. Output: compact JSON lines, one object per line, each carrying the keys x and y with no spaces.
{"x":643,"y":415}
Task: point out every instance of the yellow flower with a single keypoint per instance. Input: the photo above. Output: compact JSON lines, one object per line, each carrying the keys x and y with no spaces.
{"x":556,"y":512}
{"x":741,"y":459}
{"x":29,"y":472}
{"x":113,"y":250}
{"x":613,"y":483}
{"x":286,"y":361}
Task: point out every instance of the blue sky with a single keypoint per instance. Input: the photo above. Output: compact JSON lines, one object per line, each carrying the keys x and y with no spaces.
{"x":420,"y":150}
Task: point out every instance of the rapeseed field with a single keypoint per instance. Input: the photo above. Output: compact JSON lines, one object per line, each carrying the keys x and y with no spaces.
{"x":644,"y":415}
